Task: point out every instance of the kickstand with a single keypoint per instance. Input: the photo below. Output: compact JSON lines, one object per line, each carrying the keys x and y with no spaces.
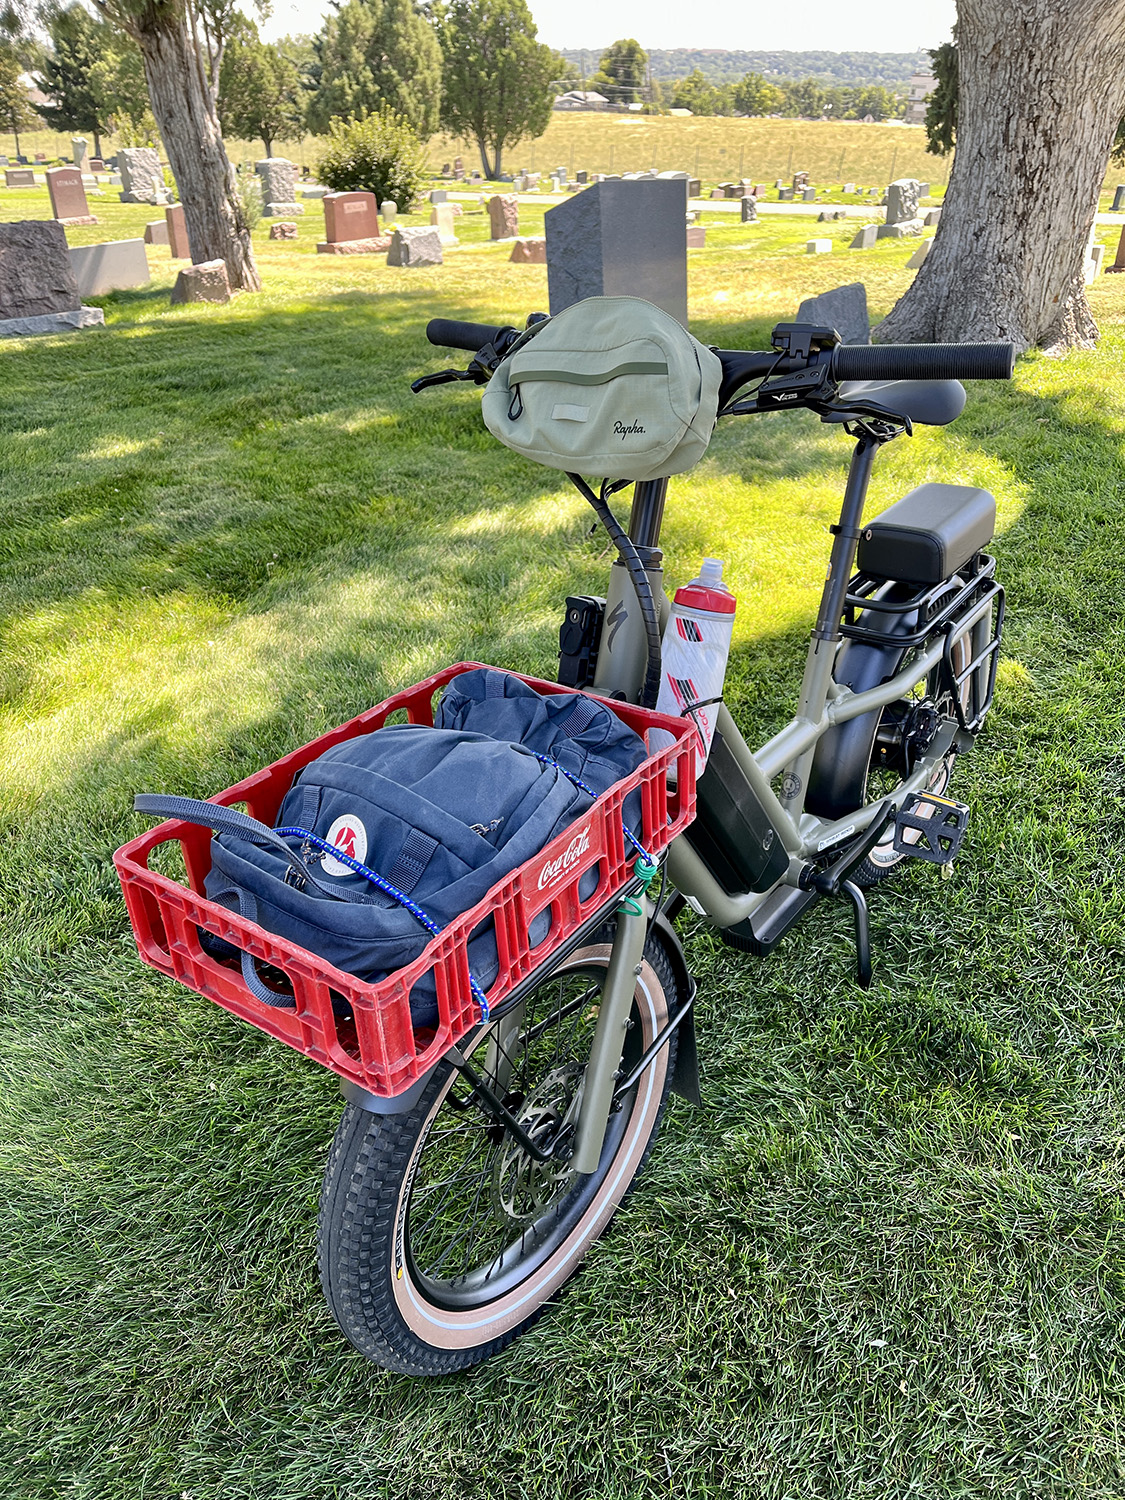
{"x":862,"y":932}
{"x":834,"y":882}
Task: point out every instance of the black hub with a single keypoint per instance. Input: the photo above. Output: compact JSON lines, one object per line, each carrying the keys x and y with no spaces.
{"x":906,"y":731}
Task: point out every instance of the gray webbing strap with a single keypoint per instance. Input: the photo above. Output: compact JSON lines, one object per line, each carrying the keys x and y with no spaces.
{"x":579,"y":719}
{"x":413,"y":858}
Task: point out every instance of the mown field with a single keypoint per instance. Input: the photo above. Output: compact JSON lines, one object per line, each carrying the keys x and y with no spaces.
{"x":885,"y":1260}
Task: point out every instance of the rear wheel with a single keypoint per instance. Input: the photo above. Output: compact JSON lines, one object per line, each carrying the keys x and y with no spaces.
{"x":440,"y":1238}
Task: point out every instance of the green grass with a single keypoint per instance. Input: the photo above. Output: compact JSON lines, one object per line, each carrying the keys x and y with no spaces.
{"x":885,"y":1260}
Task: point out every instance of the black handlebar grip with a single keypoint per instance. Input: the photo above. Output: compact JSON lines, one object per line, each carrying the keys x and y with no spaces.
{"x":453,"y":335}
{"x":923,"y":361}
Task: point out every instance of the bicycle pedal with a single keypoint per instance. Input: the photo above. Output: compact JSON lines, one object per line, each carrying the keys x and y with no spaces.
{"x":935,"y":836}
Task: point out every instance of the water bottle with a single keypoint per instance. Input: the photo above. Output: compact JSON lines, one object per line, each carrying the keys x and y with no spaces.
{"x":694,"y":656}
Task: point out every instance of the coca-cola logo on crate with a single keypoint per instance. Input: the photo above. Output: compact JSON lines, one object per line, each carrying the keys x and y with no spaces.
{"x":573,"y":852}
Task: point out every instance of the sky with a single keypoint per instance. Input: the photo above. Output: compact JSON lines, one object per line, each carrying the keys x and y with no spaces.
{"x":829,"y":25}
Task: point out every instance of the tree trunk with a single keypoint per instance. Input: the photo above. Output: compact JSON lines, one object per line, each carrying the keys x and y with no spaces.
{"x":181,"y":102}
{"x":97,"y":143}
{"x":486,"y":165}
{"x":17,"y":136}
{"x":1042,"y":88}
{"x":268,"y":144}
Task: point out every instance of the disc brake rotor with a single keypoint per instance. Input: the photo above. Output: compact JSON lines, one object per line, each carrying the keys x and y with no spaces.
{"x":521,"y":1188}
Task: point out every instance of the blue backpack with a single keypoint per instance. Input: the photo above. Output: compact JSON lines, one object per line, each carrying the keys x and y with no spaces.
{"x":386,"y":838}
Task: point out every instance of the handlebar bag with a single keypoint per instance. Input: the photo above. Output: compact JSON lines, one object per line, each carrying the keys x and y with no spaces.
{"x":441,"y":814}
{"x":612,"y":386}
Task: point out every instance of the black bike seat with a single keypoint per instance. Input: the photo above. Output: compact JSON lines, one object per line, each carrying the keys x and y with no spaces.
{"x":931,"y":403}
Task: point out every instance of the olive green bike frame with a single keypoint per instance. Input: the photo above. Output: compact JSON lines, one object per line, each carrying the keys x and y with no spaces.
{"x":822,"y":704}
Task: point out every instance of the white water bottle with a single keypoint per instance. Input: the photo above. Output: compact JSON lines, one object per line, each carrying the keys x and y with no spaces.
{"x":694,"y":657}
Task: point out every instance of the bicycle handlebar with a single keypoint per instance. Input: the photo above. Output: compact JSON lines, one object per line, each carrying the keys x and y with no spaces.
{"x":453,"y":335}
{"x":923,"y":361}
{"x":849,"y":361}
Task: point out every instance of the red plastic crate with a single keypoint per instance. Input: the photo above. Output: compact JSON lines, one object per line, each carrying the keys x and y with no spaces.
{"x":377,"y":1047}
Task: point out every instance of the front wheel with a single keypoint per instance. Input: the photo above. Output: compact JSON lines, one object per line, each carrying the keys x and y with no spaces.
{"x":441,"y":1239}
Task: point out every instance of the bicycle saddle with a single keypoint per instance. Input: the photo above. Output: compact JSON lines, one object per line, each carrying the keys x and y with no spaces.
{"x":932,"y":403}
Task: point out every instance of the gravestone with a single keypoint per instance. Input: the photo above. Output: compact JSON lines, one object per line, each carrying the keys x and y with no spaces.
{"x":113,"y":266}
{"x":844,"y":309}
{"x":19,"y":177}
{"x":446,"y":169}
{"x":178,"y":241}
{"x":785,"y":195}
{"x":849,"y":187}
{"x":279,"y":187}
{"x":866,"y":237}
{"x":531,"y":251}
{"x":694,"y":187}
{"x":41,"y":156}
{"x":283,"y":229}
{"x":919,"y":255}
{"x":96,"y":164}
{"x":909,"y":229}
{"x":68,"y":196}
{"x":902,"y":205}
{"x":800,"y":181}
{"x":808,"y":195}
{"x":696,"y":237}
{"x":156,"y":233}
{"x":79,"y":154}
{"x":439,"y":195}
{"x":1118,"y":200}
{"x":441,"y":217}
{"x":504,"y":216}
{"x":718,"y":192}
{"x":749,"y":210}
{"x":38,"y":292}
{"x":622,"y":239}
{"x":388,"y":211}
{"x":1119,"y":260}
{"x":582,"y":178}
{"x":314,"y":190}
{"x":142,"y":181}
{"x":351,"y":226}
{"x":932,"y":218}
{"x":415,"y":247}
{"x":818,"y":247}
{"x":4,"y":161}
{"x":458,"y":167}
{"x":1095,"y":256}
{"x":206,"y":282}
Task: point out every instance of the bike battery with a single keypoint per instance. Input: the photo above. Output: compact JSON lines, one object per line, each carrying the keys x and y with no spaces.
{"x":732,"y":832}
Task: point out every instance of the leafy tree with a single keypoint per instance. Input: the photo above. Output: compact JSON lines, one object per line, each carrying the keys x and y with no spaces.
{"x":380,"y":154}
{"x":117,"y":81}
{"x":78,"y":43}
{"x":621,"y":73}
{"x":180,"y":42}
{"x":805,"y":100}
{"x":260,"y":93}
{"x":16,"y":113}
{"x":941,"y":107}
{"x":497,"y":77}
{"x":567,"y":75}
{"x":702,"y":98}
{"x":753,"y":95}
{"x":376,"y":53}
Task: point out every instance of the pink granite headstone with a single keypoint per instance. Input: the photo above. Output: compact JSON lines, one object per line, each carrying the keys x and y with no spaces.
{"x":350,"y":216}
{"x":68,"y":196}
{"x":177,"y":232}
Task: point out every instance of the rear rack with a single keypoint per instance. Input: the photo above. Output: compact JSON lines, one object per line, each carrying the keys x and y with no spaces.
{"x":964,"y":602}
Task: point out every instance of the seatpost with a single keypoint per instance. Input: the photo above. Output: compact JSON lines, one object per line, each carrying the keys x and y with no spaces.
{"x":846,"y":538}
{"x":647,"y":514}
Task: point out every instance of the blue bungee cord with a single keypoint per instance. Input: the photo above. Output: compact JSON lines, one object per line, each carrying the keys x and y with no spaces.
{"x":645,"y":869}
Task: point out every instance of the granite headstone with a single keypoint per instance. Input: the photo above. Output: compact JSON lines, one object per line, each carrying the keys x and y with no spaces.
{"x":620,"y":239}
{"x":38,"y":291}
{"x":142,"y":180}
{"x":844,"y":309}
{"x":68,"y":196}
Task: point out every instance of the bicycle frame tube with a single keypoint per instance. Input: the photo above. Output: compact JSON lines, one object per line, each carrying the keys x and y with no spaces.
{"x":822,"y":702}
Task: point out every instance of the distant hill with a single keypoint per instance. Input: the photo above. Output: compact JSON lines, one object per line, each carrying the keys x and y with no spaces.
{"x":891,"y":69}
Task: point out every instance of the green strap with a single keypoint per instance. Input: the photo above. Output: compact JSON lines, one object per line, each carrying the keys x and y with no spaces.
{"x":572,"y":377}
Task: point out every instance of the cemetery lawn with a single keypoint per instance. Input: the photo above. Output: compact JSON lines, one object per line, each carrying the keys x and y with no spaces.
{"x":887,"y":1257}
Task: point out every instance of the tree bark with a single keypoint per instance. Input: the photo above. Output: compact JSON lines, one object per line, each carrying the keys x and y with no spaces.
{"x":1042,"y":88}
{"x":181,"y":102}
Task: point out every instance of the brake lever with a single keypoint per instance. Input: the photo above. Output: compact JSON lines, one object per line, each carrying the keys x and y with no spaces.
{"x":443,"y":377}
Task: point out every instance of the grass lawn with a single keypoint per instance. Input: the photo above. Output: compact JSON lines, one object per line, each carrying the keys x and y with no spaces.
{"x":885,"y":1260}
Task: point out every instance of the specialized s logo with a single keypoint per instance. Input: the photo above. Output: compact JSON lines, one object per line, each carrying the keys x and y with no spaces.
{"x":616,"y":620}
{"x":622,"y":431}
{"x":350,"y":837}
{"x":555,"y":868}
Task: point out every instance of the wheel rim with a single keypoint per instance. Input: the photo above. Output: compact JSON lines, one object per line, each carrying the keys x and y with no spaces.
{"x":482,"y":1216}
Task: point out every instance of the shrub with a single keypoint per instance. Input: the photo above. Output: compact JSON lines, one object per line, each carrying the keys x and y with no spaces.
{"x":249,"y":187}
{"x":378,"y":154}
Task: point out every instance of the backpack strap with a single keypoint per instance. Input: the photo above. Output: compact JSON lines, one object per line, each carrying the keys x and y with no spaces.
{"x":240,"y":826}
{"x":248,"y":908}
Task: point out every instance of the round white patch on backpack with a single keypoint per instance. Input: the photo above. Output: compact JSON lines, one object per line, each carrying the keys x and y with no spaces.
{"x":348,"y":834}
